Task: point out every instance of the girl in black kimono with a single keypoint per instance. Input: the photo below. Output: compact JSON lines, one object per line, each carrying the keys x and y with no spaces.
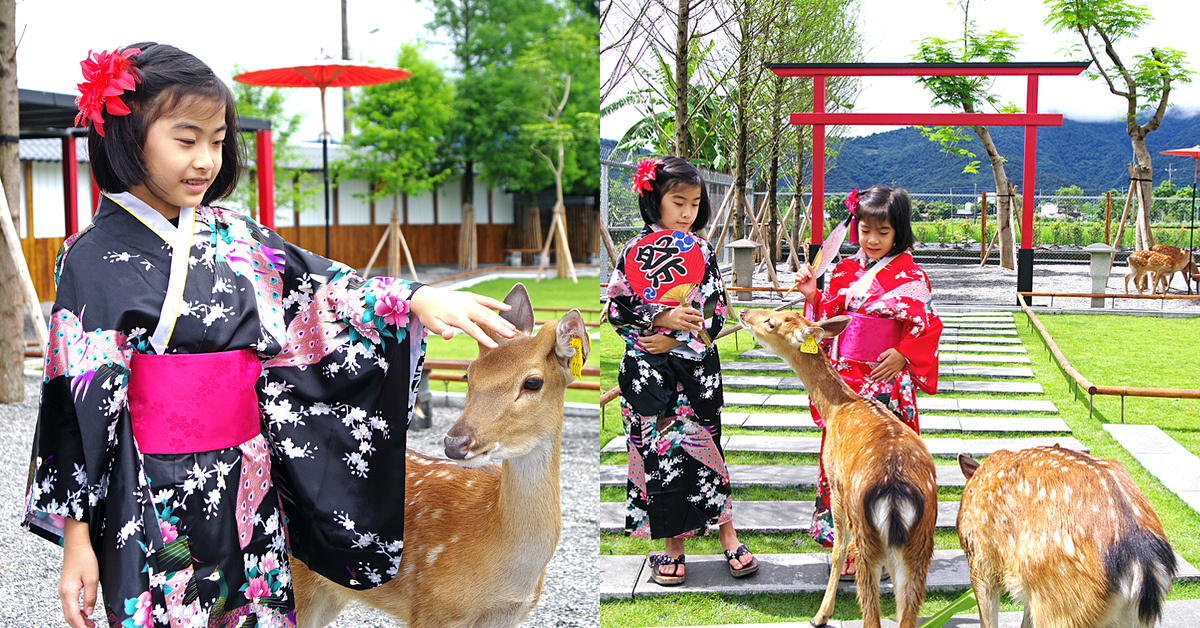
{"x":214,"y":397}
{"x":670,"y":379}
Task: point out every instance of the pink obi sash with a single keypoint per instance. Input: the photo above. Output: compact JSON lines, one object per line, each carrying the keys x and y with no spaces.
{"x":868,"y":336}
{"x":189,"y":403}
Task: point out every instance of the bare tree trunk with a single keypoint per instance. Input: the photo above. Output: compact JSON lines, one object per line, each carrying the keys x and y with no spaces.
{"x":742,"y":124}
{"x":1143,"y":236}
{"x":682,"y":141}
{"x":1003,"y":197}
{"x":12,"y":327}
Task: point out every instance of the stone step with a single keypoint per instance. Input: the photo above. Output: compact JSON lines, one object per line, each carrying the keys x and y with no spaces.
{"x":964,"y":358}
{"x":1176,"y":467}
{"x":1176,"y":614}
{"x":794,"y":383}
{"x":947,"y":447}
{"x":767,"y":517}
{"x":775,"y":476}
{"x":929,"y":422}
{"x":627,"y":576}
{"x":1000,"y":372}
{"x":1003,"y":327}
{"x":763,"y":354}
{"x":996,"y":340}
{"x":924,"y":404}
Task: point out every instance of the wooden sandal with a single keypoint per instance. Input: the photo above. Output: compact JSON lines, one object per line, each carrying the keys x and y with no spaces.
{"x":746,"y":570}
{"x":658,"y":561}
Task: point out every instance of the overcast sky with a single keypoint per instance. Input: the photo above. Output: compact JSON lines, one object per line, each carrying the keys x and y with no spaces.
{"x":55,"y":35}
{"x":891,"y":29}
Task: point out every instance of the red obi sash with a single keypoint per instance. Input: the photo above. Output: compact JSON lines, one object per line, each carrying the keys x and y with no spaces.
{"x":189,"y":403}
{"x":868,"y":336}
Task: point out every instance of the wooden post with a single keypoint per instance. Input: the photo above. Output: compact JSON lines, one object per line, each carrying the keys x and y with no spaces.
{"x":467,"y":258}
{"x":983,"y":229}
{"x":1107,"y":214}
{"x":378,"y":247}
{"x":1116,"y":243}
{"x":29,"y":292}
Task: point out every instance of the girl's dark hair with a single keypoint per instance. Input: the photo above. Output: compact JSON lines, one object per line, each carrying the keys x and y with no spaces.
{"x":674,"y":173}
{"x":883,"y":204}
{"x":171,"y":81}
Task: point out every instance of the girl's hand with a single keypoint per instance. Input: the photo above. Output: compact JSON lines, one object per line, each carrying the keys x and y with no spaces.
{"x":806,"y":282}
{"x":891,"y":362}
{"x":657,"y":343}
{"x":683,"y":318}
{"x":443,"y":311}
{"x":79,"y":571}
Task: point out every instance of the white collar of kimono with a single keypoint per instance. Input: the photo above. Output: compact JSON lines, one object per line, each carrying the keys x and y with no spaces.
{"x":180,"y":240}
{"x":859,"y":288}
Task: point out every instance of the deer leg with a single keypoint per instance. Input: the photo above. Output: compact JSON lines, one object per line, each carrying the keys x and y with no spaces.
{"x":866,"y":580}
{"x":837,"y":558}
{"x":987,"y":598}
{"x":1026,"y":619}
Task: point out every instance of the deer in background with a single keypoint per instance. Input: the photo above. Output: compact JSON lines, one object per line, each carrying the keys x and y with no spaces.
{"x":1160,"y":264}
{"x":881,"y":476}
{"x":477,"y":538}
{"x":1069,"y":535}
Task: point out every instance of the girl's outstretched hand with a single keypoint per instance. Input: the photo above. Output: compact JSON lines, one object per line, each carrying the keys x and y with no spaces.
{"x":443,"y":311}
{"x":806,"y":282}
{"x":79,"y":571}
{"x":891,"y":362}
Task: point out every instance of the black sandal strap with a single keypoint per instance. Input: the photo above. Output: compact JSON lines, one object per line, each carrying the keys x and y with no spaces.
{"x":662,"y":560}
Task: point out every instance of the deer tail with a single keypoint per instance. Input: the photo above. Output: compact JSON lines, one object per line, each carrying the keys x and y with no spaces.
{"x":1141,"y":568}
{"x":893,"y":507}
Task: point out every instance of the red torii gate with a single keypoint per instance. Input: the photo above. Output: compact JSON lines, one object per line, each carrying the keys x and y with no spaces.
{"x":1031,"y":120}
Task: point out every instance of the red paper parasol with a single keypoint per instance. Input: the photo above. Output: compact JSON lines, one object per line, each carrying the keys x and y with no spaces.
{"x":663,"y":266}
{"x":323,"y":73}
{"x":1194,"y":153}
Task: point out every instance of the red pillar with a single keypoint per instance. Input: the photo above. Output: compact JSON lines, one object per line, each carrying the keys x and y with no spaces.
{"x":265,"y":163}
{"x":818,"y":164}
{"x":1025,"y":255}
{"x":70,"y":165}
{"x":95,"y":193}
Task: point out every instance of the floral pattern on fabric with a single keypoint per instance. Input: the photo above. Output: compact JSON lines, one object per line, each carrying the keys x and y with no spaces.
{"x":678,"y":484}
{"x":203,"y":539}
{"x":900,"y":291}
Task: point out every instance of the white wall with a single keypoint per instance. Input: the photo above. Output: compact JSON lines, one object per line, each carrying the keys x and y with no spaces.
{"x":354,"y":208}
{"x":420,"y":210}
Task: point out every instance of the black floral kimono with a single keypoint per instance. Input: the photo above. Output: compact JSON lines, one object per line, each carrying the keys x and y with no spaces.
{"x":671,"y":405}
{"x":201,"y":539}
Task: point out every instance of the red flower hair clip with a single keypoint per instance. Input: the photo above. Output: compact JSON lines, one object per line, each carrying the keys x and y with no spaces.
{"x":106,"y":75}
{"x":852,"y":207}
{"x":646,"y":170}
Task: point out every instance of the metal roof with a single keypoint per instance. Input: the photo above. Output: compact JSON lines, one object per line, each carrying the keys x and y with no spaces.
{"x":47,"y":114}
{"x":307,"y":157}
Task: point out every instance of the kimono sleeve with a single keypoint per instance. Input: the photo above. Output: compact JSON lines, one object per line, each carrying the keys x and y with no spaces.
{"x":922,"y":333}
{"x":83,"y":394}
{"x":336,"y":401}
{"x":629,"y":314}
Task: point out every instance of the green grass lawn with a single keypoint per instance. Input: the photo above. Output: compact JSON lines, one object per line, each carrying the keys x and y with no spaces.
{"x":558,"y":295}
{"x":1108,"y":350}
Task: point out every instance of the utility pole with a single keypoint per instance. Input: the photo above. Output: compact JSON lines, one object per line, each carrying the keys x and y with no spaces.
{"x":345,"y":90}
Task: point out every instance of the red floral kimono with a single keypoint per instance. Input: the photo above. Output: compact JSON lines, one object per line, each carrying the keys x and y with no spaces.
{"x":899,"y":291}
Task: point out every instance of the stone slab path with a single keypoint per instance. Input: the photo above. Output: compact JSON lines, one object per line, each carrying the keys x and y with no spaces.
{"x":941,"y":447}
{"x":1176,"y":467}
{"x":929,"y":422}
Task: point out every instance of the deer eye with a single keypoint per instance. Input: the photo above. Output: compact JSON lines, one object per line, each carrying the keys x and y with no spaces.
{"x":533,"y":383}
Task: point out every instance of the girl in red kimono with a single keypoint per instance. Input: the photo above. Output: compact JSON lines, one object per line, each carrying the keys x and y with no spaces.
{"x":215,"y":399}
{"x":890,"y":348}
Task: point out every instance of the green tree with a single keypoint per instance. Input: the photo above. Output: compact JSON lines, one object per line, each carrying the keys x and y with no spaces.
{"x":1145,"y":84}
{"x":1070,"y":190}
{"x":268,"y":103}
{"x":970,"y":94}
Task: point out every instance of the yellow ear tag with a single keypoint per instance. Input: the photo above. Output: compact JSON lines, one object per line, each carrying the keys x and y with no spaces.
{"x":810,"y":345}
{"x":577,"y":358}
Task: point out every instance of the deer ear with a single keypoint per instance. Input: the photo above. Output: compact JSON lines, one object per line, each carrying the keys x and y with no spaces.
{"x":834,"y":325}
{"x":968,"y":465}
{"x":521,"y":314}
{"x":570,"y":328}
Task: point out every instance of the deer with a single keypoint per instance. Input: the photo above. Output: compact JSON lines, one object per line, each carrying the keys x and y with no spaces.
{"x":1067,"y":534}
{"x":881,"y":475}
{"x":477,"y":537}
{"x":1160,"y":263}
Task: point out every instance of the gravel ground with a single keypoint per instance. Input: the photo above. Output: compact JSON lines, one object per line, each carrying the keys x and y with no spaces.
{"x":30,"y":566}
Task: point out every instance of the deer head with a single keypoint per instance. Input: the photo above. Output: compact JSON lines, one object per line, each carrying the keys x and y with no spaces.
{"x":786,"y":332}
{"x":514,"y":403}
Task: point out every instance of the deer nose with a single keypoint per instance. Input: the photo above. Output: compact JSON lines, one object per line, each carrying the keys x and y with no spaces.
{"x":457,"y":446}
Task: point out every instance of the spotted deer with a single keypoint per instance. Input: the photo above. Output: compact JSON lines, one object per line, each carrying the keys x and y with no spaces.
{"x":881,"y":476}
{"x":1159,"y":264}
{"x":1068,"y":535}
{"x":477,"y":537}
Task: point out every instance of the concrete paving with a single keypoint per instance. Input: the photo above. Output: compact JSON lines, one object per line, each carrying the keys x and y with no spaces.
{"x":924,"y":404}
{"x":945,"y":370}
{"x":629,"y":576}
{"x":944,"y":385}
{"x":1177,"y":468}
{"x":776,"y":476}
{"x":943,"y":447}
{"x":980,"y":348}
{"x":997,"y":340}
{"x":778,"y":517}
{"x":1176,"y":614}
{"x":929,"y":422}
{"x":962,"y":358}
